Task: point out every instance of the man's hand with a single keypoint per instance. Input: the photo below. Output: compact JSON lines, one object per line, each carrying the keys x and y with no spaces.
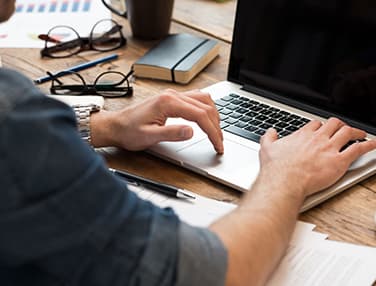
{"x":143,"y":125}
{"x":257,"y":233}
{"x":311,"y":158}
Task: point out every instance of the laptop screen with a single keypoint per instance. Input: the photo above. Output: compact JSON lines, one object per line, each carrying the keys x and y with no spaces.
{"x":316,"y":55}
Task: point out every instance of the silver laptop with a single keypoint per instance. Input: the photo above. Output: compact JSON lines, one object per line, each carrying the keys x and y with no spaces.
{"x":290,"y":62}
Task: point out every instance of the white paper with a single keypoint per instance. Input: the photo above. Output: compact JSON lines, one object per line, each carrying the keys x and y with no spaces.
{"x":326,"y":263}
{"x":310,"y":259}
{"x":34,"y":17}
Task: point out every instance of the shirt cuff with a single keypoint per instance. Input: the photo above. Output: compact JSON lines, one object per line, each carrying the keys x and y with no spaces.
{"x":202,"y":257}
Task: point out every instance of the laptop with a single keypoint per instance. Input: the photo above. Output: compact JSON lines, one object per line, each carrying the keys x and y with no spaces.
{"x":290,"y":62}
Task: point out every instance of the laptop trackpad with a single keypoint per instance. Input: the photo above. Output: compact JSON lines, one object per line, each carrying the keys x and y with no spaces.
{"x":238,"y":165}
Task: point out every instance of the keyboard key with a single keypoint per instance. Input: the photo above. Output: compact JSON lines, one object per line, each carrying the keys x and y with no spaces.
{"x":274,"y":109}
{"x":241,"y":124}
{"x":281,"y":124}
{"x":271,"y":121}
{"x":296,"y":122}
{"x":261,"y":117}
{"x":255,"y":122}
{"x":291,"y":128}
{"x":246,"y":118}
{"x":231,"y":120}
{"x":223,"y":117}
{"x":251,"y":128}
{"x":232,"y":106}
{"x":242,"y":110}
{"x":225,"y":111}
{"x":251,"y":114}
{"x":255,"y":108}
{"x":220,"y":102}
{"x":223,"y":125}
{"x":236,"y":115}
{"x":246,"y":105}
{"x":237,"y":102}
{"x":284,"y":133}
{"x":265,"y":126}
{"x":260,"y":132}
{"x":227,"y":98}
{"x":243,"y":133}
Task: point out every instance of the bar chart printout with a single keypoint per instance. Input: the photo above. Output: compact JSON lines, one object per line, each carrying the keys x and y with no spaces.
{"x":34,"y":17}
{"x":54,"y":6}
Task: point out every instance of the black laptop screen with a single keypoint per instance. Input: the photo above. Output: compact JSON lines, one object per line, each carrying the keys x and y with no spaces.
{"x":319,"y":54}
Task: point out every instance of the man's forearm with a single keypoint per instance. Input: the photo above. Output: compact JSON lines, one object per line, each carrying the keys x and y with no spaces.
{"x":257,"y":233}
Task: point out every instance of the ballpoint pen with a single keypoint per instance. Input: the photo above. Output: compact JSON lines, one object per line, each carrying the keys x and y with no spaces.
{"x":78,"y":67}
{"x":153,"y":185}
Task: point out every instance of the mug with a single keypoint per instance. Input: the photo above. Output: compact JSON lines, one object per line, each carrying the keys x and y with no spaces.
{"x":149,"y":19}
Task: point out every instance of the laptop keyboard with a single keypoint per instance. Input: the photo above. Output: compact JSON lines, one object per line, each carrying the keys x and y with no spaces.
{"x":250,"y":119}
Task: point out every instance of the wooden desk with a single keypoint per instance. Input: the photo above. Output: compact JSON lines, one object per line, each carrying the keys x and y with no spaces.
{"x":347,"y":217}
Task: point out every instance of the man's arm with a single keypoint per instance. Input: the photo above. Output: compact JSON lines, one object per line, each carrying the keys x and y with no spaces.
{"x":66,"y":219}
{"x":257,"y":233}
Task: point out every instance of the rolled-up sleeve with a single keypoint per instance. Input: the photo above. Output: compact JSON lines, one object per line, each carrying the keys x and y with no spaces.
{"x":202,"y":257}
{"x":65,"y":219}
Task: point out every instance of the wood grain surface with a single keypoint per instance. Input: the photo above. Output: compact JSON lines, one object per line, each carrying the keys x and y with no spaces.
{"x":347,"y":217}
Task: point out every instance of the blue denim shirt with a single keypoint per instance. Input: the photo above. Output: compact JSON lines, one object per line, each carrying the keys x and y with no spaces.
{"x":66,"y":220}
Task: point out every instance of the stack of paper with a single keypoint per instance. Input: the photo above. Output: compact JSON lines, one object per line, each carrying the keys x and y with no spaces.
{"x":310,"y":259}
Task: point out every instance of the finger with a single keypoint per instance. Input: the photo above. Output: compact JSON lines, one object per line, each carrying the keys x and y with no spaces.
{"x":346,"y":134}
{"x":176,"y":107}
{"x":269,"y":137}
{"x":358,"y":149}
{"x":209,"y":108}
{"x":169,"y":132}
{"x":330,"y":127}
{"x":313,"y":125}
{"x":204,"y":98}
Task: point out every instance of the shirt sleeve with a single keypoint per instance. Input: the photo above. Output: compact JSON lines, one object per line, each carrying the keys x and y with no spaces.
{"x":65,"y":219}
{"x":203,"y":257}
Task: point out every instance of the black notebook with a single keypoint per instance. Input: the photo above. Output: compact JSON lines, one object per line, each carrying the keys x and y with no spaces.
{"x":177,"y":58}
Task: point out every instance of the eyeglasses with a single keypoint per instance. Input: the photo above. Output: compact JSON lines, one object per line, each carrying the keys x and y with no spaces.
{"x":64,"y":41}
{"x":117,"y":8}
{"x":107,"y":84}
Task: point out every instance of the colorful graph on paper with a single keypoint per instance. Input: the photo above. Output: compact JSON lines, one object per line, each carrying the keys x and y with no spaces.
{"x":65,"y":6}
{"x":33,"y":17}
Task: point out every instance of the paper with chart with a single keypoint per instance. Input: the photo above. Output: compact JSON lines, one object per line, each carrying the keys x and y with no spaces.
{"x":310,"y":260}
{"x":34,"y":17}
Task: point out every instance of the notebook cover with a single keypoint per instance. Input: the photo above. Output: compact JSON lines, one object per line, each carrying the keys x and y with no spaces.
{"x":178,"y":58}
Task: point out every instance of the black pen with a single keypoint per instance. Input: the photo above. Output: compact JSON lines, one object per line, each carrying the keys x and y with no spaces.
{"x":156,"y":186}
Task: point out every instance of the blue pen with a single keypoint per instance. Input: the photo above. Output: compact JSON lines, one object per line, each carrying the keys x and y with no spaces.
{"x":78,"y":67}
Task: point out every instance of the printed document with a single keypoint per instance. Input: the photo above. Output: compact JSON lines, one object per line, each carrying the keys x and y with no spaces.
{"x":310,"y":260}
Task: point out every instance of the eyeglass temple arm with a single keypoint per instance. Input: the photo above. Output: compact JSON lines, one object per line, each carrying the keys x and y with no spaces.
{"x":113,"y":10}
{"x":65,"y":45}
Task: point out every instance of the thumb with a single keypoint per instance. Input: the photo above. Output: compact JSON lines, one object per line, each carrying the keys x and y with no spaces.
{"x":269,"y":137}
{"x":171,"y":133}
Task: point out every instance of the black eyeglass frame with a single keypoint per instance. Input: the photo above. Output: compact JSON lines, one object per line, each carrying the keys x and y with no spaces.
{"x":95,"y":88}
{"x":83,"y":43}
{"x":113,"y":10}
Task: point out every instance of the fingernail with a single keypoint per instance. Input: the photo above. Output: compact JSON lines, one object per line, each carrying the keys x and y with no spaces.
{"x":185,"y":132}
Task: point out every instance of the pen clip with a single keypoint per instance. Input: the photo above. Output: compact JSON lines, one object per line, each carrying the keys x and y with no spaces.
{"x":131,"y":182}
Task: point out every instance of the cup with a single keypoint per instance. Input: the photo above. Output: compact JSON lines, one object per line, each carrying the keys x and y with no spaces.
{"x":149,"y":19}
